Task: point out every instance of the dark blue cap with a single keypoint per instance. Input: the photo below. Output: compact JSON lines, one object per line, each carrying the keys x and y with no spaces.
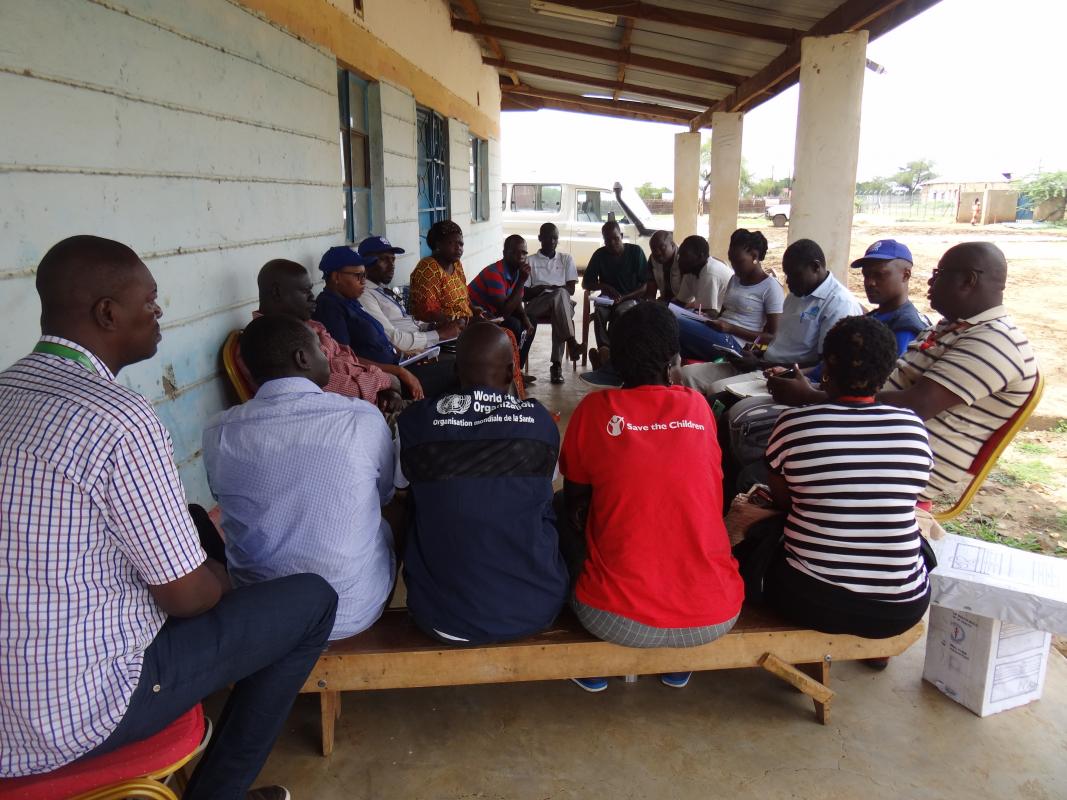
{"x":338,"y":258}
{"x":373,"y":245}
{"x":885,"y":250}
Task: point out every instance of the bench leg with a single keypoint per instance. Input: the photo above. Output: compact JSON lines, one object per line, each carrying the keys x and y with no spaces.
{"x":818,"y":691}
{"x":330,"y":705}
{"x":820,"y":671}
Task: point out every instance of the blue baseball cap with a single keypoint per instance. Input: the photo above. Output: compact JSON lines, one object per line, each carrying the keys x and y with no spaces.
{"x":885,"y":250}
{"x":373,"y":245}
{"x":338,"y":258}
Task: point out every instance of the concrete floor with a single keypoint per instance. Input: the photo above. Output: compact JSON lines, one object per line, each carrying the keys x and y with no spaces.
{"x":730,"y":734}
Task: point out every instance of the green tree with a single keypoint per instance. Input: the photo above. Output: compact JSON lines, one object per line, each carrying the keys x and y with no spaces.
{"x":1043,"y":188}
{"x":913,"y":173}
{"x":649,"y":192}
{"x":874,"y":186}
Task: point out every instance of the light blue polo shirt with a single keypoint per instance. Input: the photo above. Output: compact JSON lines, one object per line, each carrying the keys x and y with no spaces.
{"x":806,"y":320}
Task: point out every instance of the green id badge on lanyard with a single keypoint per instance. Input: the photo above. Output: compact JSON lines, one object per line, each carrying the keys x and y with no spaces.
{"x":69,"y":353}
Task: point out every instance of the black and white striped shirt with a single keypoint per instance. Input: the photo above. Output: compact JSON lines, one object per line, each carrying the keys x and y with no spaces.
{"x":854,"y":472}
{"x":985,"y":361}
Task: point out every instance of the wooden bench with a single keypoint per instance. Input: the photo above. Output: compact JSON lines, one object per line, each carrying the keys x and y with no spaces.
{"x":394,"y":654}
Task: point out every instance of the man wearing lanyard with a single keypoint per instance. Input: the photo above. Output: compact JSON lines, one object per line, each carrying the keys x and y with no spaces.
{"x":407,"y":334}
{"x":114,"y":622}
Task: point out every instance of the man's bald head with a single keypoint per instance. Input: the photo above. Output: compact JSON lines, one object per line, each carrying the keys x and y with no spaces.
{"x":484,"y":357}
{"x":662,"y":246}
{"x":285,"y":288}
{"x":98,"y":293}
{"x":969,"y":279}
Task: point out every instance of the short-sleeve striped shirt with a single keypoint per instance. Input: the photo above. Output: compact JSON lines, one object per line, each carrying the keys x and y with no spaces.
{"x":91,"y":513}
{"x":854,"y":473}
{"x":985,"y":361}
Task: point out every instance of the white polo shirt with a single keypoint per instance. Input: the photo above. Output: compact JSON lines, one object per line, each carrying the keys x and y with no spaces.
{"x":806,"y":320}
{"x":556,"y":271}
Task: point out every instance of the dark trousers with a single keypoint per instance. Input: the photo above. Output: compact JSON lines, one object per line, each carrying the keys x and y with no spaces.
{"x":815,"y":604}
{"x":437,"y":377}
{"x":514,"y":324}
{"x":263,"y":638}
{"x":571,"y":540}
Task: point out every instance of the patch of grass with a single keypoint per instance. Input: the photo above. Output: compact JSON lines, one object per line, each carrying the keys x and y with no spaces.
{"x":1014,"y":473}
{"x":1034,"y":448}
{"x":980,"y":526}
{"x":1060,"y":426}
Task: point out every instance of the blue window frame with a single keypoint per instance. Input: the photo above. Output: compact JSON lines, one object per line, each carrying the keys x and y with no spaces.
{"x":355,"y":155}
{"x":432,"y":172}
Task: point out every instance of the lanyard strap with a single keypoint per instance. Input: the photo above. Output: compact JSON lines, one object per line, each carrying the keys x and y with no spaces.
{"x":69,"y":353}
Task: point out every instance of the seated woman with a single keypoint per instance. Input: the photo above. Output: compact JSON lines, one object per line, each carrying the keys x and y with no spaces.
{"x":849,"y":472}
{"x":439,"y":286}
{"x":643,"y":486}
{"x":750,"y":309}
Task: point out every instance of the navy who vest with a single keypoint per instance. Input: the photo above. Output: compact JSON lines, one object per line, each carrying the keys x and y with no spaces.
{"x":482,"y":560}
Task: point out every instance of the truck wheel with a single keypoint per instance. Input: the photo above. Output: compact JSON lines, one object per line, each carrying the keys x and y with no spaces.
{"x":780,"y":220}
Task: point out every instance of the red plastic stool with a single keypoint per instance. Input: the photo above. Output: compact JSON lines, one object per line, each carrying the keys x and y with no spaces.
{"x":135,"y":769}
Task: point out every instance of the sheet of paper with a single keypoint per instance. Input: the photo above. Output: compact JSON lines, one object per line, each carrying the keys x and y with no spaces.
{"x":686,"y":313}
{"x":601,"y":300}
{"x":433,"y":352}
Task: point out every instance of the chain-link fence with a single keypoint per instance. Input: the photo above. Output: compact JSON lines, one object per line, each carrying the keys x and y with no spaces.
{"x":906,"y":207}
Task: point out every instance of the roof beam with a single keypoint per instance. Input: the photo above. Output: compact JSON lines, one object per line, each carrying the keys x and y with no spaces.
{"x":603,"y":83}
{"x":876,"y":16}
{"x":611,"y":55}
{"x":686,"y":19}
{"x":470,"y":8}
{"x":514,"y":104}
{"x":624,"y":45}
{"x":662,"y":113}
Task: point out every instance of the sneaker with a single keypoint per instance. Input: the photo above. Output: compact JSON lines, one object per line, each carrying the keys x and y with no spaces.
{"x":592,"y":684}
{"x":268,"y":793}
{"x":555,"y":374}
{"x":529,"y":378}
{"x":676,"y":680}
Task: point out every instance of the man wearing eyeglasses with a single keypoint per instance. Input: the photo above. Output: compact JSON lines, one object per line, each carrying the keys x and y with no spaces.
{"x":967,"y":375}
{"x":338,"y":309}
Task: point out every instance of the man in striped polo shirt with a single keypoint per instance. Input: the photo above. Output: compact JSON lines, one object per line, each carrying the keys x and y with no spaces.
{"x":966,"y":376}
{"x":498,"y":290}
{"x":114,"y":623}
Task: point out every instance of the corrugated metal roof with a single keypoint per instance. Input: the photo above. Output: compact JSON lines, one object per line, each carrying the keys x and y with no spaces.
{"x":672,"y":71}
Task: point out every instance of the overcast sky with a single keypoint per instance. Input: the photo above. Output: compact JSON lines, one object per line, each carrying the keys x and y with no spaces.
{"x":975,"y":85}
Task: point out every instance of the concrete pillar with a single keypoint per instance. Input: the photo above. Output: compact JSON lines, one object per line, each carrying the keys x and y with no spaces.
{"x":686,"y":183}
{"x":725,"y":180}
{"x":828,"y":140}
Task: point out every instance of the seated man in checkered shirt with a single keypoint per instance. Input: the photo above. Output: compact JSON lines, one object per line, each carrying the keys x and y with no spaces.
{"x":114,"y":623}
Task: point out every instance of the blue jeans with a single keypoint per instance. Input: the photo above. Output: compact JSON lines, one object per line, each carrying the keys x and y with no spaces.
{"x":698,"y":340}
{"x":265,"y":638}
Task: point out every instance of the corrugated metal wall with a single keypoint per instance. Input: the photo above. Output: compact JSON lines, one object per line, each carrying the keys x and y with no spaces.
{"x":195,"y":132}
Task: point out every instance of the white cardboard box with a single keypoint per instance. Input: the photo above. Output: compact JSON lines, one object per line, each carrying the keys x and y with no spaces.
{"x":985,"y":664}
{"x":991,"y":608}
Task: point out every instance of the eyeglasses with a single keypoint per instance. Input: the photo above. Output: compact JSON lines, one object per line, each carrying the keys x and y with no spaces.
{"x":359,"y":276}
{"x":938,"y":272}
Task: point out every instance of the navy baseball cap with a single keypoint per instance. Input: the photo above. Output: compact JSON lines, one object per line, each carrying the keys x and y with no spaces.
{"x":373,"y":245}
{"x":885,"y":250}
{"x":338,"y":258}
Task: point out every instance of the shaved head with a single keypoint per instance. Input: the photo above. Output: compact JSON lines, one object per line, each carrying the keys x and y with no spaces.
{"x":662,"y":246}
{"x":969,"y":279}
{"x":98,"y":293}
{"x":484,"y":357}
{"x":285,"y":288}
{"x":79,"y":271}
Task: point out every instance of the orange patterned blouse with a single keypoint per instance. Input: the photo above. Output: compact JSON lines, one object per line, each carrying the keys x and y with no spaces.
{"x":433,"y":290}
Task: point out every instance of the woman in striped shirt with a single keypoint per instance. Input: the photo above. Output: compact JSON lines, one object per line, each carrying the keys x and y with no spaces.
{"x":849,"y":471}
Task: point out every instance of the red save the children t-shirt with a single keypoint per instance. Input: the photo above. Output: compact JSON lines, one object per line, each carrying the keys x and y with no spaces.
{"x":657,"y":549}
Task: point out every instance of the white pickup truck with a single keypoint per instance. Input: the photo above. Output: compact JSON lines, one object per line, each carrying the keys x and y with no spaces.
{"x":578,"y":211}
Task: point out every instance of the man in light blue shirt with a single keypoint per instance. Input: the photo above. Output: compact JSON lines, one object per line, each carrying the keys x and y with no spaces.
{"x":301,"y":475}
{"x":816,"y":301}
